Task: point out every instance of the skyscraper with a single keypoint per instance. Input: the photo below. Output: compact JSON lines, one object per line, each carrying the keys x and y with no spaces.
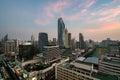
{"x":42,"y":40}
{"x":61,"y":27}
{"x":69,"y":40}
{"x":65,"y":38}
{"x":81,"y":41}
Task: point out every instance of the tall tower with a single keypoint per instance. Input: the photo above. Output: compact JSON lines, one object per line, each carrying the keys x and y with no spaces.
{"x":65,"y":38}
{"x":69,"y":40}
{"x":42,"y":40}
{"x":61,"y":27}
{"x":81,"y":41}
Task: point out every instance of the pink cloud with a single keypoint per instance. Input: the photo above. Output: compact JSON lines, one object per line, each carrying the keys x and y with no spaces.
{"x":78,"y":15}
{"x":56,"y":7}
{"x":107,"y":15}
{"x":89,"y":3}
{"x":49,"y":12}
{"x":40,"y":22}
{"x":105,"y":27}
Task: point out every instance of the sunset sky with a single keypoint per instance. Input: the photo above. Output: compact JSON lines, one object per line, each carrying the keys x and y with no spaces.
{"x":95,"y":19}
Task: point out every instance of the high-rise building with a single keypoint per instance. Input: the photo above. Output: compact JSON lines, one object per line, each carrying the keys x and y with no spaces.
{"x":51,"y":54}
{"x":61,"y":27}
{"x":65,"y":38}
{"x":73,"y":43}
{"x":69,"y":40}
{"x":32,"y":38}
{"x":42,"y":40}
{"x":81,"y":41}
{"x":26,"y":51}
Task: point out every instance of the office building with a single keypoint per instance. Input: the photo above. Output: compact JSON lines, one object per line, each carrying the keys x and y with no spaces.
{"x":69,"y":40}
{"x":42,"y":40}
{"x":61,"y":27}
{"x":81,"y":41}
{"x":26,"y":51}
{"x":51,"y":54}
{"x":65,"y":38}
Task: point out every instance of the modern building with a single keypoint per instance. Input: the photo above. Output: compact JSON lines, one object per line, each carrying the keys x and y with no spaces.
{"x":51,"y":54}
{"x":69,"y":40}
{"x":65,"y":38}
{"x":110,"y":65}
{"x":26,"y":51}
{"x":73,"y":43}
{"x":80,"y":71}
{"x":42,"y":40}
{"x":61,"y":28}
{"x":81,"y":41}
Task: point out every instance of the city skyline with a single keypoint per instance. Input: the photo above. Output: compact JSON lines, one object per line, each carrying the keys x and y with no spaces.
{"x":95,"y":19}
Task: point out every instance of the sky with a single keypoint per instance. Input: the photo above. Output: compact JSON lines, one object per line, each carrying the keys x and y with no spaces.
{"x":95,"y":19}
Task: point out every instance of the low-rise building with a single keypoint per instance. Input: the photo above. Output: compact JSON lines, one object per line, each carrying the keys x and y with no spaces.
{"x":80,"y":71}
{"x":110,"y":65}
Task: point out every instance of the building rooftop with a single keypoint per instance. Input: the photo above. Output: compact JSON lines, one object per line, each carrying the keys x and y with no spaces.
{"x":113,"y":60}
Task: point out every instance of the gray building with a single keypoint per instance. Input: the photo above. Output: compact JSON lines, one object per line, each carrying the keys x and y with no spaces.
{"x":81,"y":41}
{"x":42,"y":40}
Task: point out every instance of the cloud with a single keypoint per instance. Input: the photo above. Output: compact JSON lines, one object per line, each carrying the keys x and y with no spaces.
{"x":89,"y":3}
{"x":85,"y":5}
{"x":49,"y":12}
{"x":40,"y":22}
{"x":105,"y":27}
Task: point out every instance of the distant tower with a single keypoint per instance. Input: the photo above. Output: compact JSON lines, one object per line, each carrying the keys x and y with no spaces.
{"x":42,"y":40}
{"x":32,"y":39}
{"x":61,"y":27}
{"x":65,"y":38}
{"x":69,"y":40}
{"x":81,"y":41}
